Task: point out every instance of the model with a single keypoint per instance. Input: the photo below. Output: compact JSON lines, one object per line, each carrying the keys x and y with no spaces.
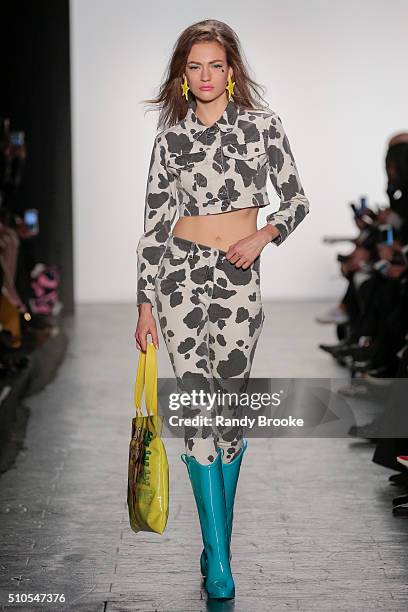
{"x":209,"y":167}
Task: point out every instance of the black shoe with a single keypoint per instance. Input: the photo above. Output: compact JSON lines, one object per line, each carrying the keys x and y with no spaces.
{"x":368,"y":432}
{"x":332,"y":348}
{"x":374,"y":368}
{"x":401,"y":499}
{"x":387,"y":370}
{"x":401,"y":510}
{"x":400,"y":480}
{"x":394,"y":477}
{"x":355,"y":351}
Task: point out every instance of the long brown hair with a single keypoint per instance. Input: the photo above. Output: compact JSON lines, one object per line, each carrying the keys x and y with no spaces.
{"x":174,"y":106}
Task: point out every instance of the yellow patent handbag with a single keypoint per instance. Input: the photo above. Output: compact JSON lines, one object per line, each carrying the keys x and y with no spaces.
{"x":148,"y":473}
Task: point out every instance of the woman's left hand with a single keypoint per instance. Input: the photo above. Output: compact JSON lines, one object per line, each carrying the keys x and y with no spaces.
{"x":243,"y":252}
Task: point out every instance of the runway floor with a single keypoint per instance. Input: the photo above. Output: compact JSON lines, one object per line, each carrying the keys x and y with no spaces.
{"x":313,"y":528}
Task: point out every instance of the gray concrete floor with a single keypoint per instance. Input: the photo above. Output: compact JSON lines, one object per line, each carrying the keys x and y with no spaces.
{"x":313,"y":528}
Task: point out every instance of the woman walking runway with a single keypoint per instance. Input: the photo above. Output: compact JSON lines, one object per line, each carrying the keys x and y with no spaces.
{"x":199,"y":255}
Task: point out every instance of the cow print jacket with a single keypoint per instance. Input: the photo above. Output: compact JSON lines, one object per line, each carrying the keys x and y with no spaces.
{"x":203,"y":170}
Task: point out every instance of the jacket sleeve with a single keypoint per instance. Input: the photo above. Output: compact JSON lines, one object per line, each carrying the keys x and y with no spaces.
{"x":294,"y":205}
{"x":159,"y":213}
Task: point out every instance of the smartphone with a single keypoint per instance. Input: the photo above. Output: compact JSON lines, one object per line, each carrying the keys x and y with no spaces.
{"x":342,"y":258}
{"x":356,"y":211}
{"x":31,"y":219}
{"x":363,"y":203}
{"x":386,"y":233}
{"x":17,"y":138}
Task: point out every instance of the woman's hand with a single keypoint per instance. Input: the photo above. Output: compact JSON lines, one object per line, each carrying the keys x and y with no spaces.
{"x":245,"y":251}
{"x":385,"y":251}
{"x":145,"y":325}
{"x":355,"y":261}
{"x":382,"y":215}
{"x":395,"y":270}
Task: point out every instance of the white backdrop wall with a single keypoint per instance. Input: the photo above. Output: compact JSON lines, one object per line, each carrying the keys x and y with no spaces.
{"x":334,"y":71}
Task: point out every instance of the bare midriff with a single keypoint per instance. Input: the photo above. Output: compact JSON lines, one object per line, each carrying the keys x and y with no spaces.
{"x":218,"y":230}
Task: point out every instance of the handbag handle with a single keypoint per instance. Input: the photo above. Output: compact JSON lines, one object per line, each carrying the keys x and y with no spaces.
{"x":146,"y":379}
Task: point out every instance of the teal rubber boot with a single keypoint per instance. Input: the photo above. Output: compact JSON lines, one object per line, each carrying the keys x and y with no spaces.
{"x":230,"y":472}
{"x":208,"y":487}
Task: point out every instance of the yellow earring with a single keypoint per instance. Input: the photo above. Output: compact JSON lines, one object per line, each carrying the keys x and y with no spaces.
{"x":230,"y":87}
{"x":185,"y":88}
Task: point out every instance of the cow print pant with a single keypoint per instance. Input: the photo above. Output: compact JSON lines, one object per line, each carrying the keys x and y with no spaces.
{"x":211,"y":316}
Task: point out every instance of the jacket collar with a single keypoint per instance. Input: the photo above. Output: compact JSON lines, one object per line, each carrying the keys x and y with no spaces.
{"x":225,"y":123}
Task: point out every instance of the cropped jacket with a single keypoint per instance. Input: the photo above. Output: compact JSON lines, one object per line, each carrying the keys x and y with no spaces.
{"x":203,"y":170}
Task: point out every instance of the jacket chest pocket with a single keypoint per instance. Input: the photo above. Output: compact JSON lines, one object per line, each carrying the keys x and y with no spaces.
{"x":246,"y":163}
{"x":190,"y":167}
